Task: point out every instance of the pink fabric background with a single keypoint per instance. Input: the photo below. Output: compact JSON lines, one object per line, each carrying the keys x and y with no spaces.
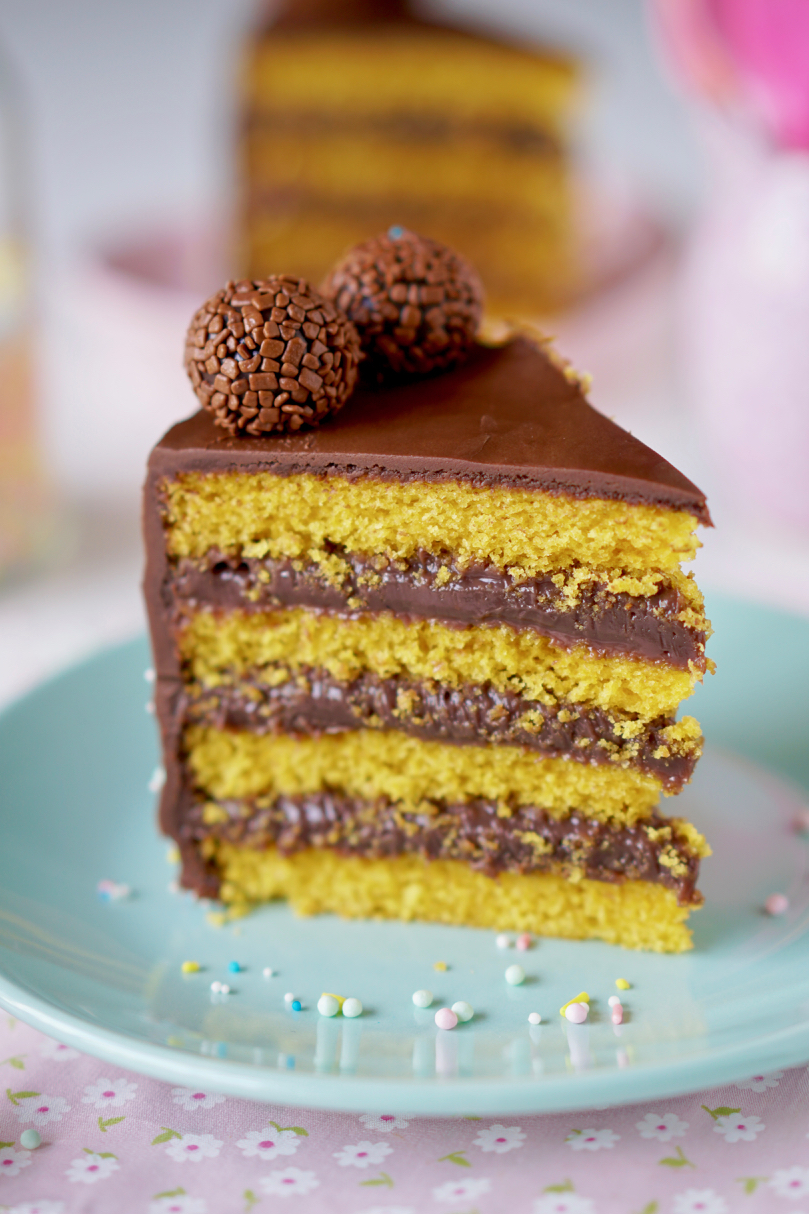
{"x":99,"y":1153}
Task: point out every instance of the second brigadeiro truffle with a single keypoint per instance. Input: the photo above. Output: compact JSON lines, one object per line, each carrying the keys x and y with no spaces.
{"x":416,"y":304}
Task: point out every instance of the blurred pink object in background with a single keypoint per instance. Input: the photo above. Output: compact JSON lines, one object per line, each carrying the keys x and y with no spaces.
{"x":745,"y":302}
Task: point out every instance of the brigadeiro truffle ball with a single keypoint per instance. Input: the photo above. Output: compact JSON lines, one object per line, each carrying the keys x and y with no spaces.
{"x":270,"y":355}
{"x":416,"y":304}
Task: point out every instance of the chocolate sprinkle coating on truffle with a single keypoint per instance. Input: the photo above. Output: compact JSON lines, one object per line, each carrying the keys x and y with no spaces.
{"x":416,"y":304}
{"x":271,"y":355}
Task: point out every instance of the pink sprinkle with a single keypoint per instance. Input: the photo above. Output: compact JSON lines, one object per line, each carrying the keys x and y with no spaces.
{"x":617,"y":1014}
{"x":524,"y":942}
{"x":445,"y":1018}
{"x":576,"y":1013}
{"x":777,"y":904}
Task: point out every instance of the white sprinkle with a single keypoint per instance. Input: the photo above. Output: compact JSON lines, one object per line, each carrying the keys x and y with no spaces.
{"x":268,"y":972}
{"x":327,"y":1005}
{"x":149,"y":707}
{"x":515,"y":975}
{"x":504,"y":941}
{"x":288,"y":997}
{"x":576,"y":1013}
{"x":351,"y":1008}
{"x":777,"y":904}
{"x":534,"y":1018}
{"x":216,"y":987}
{"x":224,"y":989}
{"x":463,"y":1010}
{"x":149,"y":674}
{"x":613,"y":999}
{"x":157,"y":779}
{"x":422,"y":998}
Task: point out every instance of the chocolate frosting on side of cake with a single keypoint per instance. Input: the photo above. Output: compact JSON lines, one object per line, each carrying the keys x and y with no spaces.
{"x":530,"y":841}
{"x":316,"y":703}
{"x":644,"y":627}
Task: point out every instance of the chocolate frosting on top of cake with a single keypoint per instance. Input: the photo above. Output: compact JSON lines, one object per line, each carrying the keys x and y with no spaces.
{"x":508,"y":416}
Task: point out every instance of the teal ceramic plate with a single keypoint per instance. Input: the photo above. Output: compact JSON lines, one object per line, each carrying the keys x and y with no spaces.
{"x":76,"y":757}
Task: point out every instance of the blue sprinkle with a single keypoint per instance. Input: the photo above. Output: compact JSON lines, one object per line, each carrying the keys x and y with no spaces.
{"x":234,"y":967}
{"x":396,"y":232}
{"x":290,"y":1062}
{"x":296,"y":1005}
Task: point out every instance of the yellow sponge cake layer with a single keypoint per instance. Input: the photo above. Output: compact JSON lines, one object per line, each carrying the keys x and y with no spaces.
{"x":217,"y":647}
{"x":636,"y":914}
{"x":237,"y":764}
{"x":303,"y":517}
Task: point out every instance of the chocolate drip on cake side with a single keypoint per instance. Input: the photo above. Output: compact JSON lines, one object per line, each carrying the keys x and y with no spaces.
{"x":530,"y":841}
{"x":313,"y":702}
{"x":433,"y":587}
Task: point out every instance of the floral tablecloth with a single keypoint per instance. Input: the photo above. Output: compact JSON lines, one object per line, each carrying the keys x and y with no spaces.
{"x":115,"y":1141}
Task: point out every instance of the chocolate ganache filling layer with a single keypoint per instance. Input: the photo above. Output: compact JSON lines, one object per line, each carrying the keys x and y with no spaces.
{"x":314,"y":702}
{"x":429,"y":587}
{"x":529,"y":841}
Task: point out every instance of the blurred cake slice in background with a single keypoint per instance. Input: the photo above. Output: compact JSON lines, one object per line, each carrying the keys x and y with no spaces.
{"x":358,"y":115}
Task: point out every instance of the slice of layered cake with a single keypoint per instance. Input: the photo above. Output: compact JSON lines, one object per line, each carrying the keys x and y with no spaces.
{"x":424,"y":660}
{"x":355,"y":114}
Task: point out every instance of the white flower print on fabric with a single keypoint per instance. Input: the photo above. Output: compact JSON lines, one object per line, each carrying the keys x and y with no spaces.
{"x":38,"y":1207}
{"x":12,"y":1161}
{"x":194,"y":1147}
{"x":736,"y":1128}
{"x":40,"y":1109}
{"x":57,"y":1052}
{"x":462,"y":1190}
{"x":269,"y":1143}
{"x":563,"y":1203}
{"x":389,"y":1210}
{"x":192,"y":1098}
{"x":291,"y":1180}
{"x":662,"y":1126}
{"x":592,"y":1140}
{"x":383,"y":1123}
{"x":499,"y":1138}
{"x":363,"y":1154}
{"x":760,"y":1083}
{"x":109,"y":1093}
{"x":181,"y":1204}
{"x":790,"y":1182}
{"x":699,"y":1201}
{"x":90,"y":1168}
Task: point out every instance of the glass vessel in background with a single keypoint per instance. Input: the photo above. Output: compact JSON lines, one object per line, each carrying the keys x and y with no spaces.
{"x":24,"y":499}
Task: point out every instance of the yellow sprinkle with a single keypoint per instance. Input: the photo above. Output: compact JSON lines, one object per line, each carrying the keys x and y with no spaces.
{"x":582,"y":997}
{"x":190,"y":967}
{"x":622,"y":984}
{"x":216,"y":918}
{"x":340,"y":998}
{"x":173,"y":854}
{"x":441,"y":966}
